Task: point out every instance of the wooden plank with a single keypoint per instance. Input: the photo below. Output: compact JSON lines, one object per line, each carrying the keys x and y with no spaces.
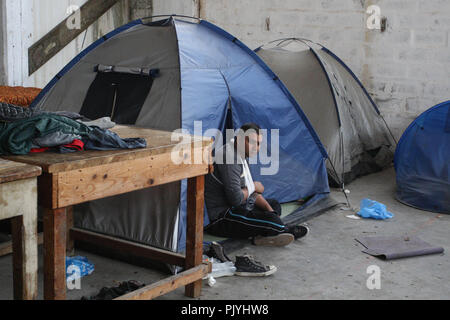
{"x":55,"y":254}
{"x":169,"y":284}
{"x":70,"y":247}
{"x":7,"y":247}
{"x":78,"y":186}
{"x":12,"y":171}
{"x":133,"y":248}
{"x":194,"y":233}
{"x":50,"y":44}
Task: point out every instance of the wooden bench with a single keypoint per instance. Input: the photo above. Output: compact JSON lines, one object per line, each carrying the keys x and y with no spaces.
{"x":18,"y":202}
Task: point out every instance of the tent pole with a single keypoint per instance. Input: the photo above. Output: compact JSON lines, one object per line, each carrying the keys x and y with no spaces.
{"x":340,"y":182}
{"x":389,"y":129}
{"x":282,"y":40}
{"x":171,"y":16}
{"x":341,"y":139}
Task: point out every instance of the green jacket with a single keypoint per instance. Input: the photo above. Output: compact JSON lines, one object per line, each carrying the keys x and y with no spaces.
{"x":16,"y":137}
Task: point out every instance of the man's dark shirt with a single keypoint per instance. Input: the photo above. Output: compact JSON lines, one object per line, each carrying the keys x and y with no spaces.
{"x":223,"y":187}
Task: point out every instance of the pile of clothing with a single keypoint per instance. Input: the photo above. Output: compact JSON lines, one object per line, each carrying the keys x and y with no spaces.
{"x":24,"y":131}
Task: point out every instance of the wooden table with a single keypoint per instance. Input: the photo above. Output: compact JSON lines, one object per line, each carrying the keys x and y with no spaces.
{"x":18,"y":201}
{"x":74,"y":178}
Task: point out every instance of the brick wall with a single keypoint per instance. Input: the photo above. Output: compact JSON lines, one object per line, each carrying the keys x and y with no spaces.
{"x":406,"y":68}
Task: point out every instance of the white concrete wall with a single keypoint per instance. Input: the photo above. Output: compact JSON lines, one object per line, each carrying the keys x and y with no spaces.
{"x":2,"y":43}
{"x":140,"y":9}
{"x":183,"y":7}
{"x":29,"y":20}
{"x":406,"y":68}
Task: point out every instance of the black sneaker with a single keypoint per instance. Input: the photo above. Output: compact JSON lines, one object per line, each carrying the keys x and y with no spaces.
{"x":299,"y":231}
{"x":110,"y":293}
{"x":247,"y":266}
{"x":216,"y":251}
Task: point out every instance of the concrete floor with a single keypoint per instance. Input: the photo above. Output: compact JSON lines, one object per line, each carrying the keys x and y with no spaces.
{"x":328,"y":264}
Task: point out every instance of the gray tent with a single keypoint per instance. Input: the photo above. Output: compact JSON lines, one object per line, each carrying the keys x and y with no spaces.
{"x":341,"y":111}
{"x":133,"y":75}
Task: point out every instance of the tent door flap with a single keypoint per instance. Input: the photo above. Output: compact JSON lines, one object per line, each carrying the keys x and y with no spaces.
{"x":117,"y":95}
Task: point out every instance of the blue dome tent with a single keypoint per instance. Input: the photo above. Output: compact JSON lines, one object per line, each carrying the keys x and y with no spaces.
{"x":166,"y":75}
{"x":422,"y":161}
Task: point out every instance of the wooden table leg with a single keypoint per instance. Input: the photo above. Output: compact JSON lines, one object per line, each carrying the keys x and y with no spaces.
{"x":55,"y":254}
{"x":25,"y":255}
{"x":194,"y":234}
{"x":70,"y":248}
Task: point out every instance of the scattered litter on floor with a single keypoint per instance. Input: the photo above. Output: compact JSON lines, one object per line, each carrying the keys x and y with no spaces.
{"x":78,"y":267}
{"x":211,"y":281}
{"x":373,"y":209}
{"x":352,"y":216}
{"x":220,"y":269}
{"x":397,"y":247}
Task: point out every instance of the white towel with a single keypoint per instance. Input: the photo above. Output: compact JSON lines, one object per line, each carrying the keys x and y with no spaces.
{"x":247,"y":176}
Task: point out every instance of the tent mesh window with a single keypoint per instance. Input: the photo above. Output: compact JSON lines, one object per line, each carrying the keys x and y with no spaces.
{"x":117,"y":95}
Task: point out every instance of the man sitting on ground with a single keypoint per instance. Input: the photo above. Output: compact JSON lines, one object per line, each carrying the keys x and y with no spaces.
{"x":234,"y":202}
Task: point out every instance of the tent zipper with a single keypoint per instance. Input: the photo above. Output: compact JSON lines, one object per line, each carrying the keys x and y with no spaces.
{"x":114,"y":101}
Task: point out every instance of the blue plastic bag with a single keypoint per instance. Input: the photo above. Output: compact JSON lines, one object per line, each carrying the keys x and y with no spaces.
{"x":373,"y":209}
{"x":77,"y":267}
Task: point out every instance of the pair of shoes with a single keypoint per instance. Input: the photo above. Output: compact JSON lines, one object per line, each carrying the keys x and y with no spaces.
{"x":280,"y":240}
{"x":247,"y":266}
{"x":110,"y":293}
{"x":216,"y":251}
{"x":299,"y":231}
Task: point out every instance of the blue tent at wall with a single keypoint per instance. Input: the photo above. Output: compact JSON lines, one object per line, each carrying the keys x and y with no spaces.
{"x":182,"y":72}
{"x":422,"y":161}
